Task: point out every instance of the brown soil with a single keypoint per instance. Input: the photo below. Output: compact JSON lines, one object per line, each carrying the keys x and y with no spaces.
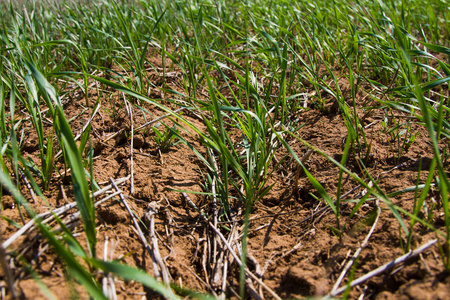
{"x":291,"y":248}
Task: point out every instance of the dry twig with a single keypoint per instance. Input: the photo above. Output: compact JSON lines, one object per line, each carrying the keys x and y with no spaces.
{"x":130,"y":113}
{"x":232,"y":252}
{"x":384,"y":268}
{"x":7,"y":272}
{"x":160,"y":118}
{"x":56,"y":212}
{"x":154,"y":241}
{"x":109,"y":287}
{"x":355,"y":256}
{"x":139,"y":232}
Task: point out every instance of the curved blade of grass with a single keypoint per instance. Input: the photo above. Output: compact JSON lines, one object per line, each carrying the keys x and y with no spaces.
{"x":67,"y":139}
{"x":437,"y":48}
{"x":47,"y":167}
{"x":48,"y":92}
{"x":320,"y":189}
{"x":435,"y":83}
{"x":445,"y":67}
{"x":130,"y":273}
{"x":74,"y":268}
{"x":194,"y":295}
{"x":80,"y":184}
{"x":348,"y":143}
{"x":433,"y":132}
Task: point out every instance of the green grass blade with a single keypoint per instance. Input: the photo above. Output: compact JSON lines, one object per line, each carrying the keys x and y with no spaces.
{"x":81,"y":187}
{"x":67,"y":140}
{"x":130,"y":273}
{"x":74,"y":268}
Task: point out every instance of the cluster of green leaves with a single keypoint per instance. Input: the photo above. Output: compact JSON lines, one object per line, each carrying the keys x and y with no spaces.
{"x":255,"y":61}
{"x":166,"y":138}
